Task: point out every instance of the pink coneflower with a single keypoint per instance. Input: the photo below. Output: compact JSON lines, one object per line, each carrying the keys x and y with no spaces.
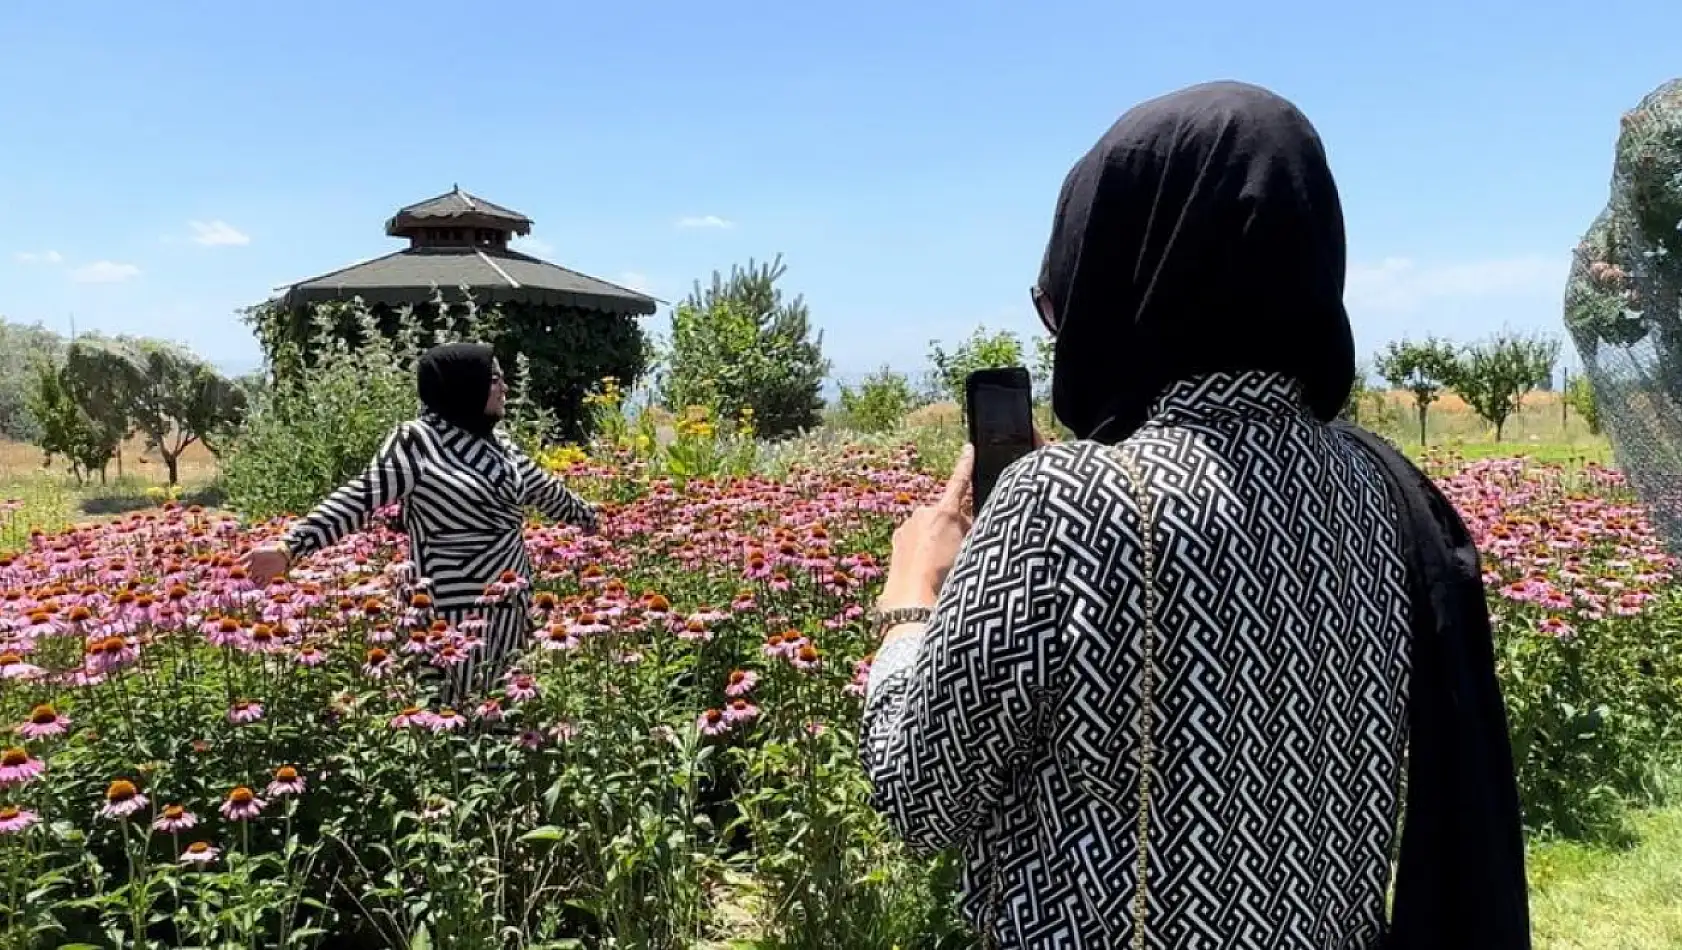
{"x":287,"y":781}
{"x":44,"y":723}
{"x":13,"y":667}
{"x":199,"y":852}
{"x":436,"y":808}
{"x":529,"y":739}
{"x":18,"y":768}
{"x":713,"y":722}
{"x":522,"y":687}
{"x":587,"y":624}
{"x":489,"y":711}
{"x":245,"y":712}
{"x":377,"y":664}
{"x":14,"y":819}
{"x":806,"y":658}
{"x":412,"y":716}
{"x":448,"y":656}
{"x":310,"y":657}
{"x":122,"y":799}
{"x":693,"y":630}
{"x":563,"y":731}
{"x":743,"y":603}
{"x":741,"y":712}
{"x":242,"y":805}
{"x":174,"y":819}
{"x":447,"y":720}
{"x":556,"y":637}
{"x":741,"y":683}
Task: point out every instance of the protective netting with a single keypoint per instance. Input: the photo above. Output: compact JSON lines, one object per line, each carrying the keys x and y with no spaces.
{"x":1623,"y":306}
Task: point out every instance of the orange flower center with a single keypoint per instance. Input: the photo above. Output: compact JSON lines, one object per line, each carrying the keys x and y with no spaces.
{"x":120,"y":791}
{"x":420,"y":601}
{"x":228,"y":625}
{"x":411,"y":710}
{"x":377,"y":655}
{"x":736,"y":677}
{"x":80,"y":612}
{"x":12,"y":758}
{"x":112,"y":645}
{"x":447,"y":713}
{"x":714,"y":715}
{"x":809,"y":653}
{"x":10,"y":659}
{"x":198,"y":847}
{"x":241,"y":796}
{"x":10,"y":812}
{"x":43,"y":715}
{"x":174,"y":813}
{"x":286,"y":773}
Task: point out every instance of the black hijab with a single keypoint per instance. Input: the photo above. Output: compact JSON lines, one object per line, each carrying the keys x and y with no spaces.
{"x":1202,"y":234}
{"x":455,"y":384}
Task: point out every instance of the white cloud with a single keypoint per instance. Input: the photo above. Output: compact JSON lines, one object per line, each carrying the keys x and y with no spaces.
{"x":705,"y":221}
{"x":217,"y":233}
{"x":104,"y":272}
{"x":533,"y":246}
{"x":1399,"y":285}
{"x":40,"y":257}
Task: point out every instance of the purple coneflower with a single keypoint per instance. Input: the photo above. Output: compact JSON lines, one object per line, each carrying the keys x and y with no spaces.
{"x":199,"y":852}
{"x":741,"y":712}
{"x":287,"y":781}
{"x":412,"y":716}
{"x":13,"y":667}
{"x":245,"y":712}
{"x":44,"y":723}
{"x":522,"y":687}
{"x":174,"y":819}
{"x":741,"y":683}
{"x":17,"y":767}
{"x":447,"y":720}
{"x":242,"y":805}
{"x":122,"y":799}
{"x":14,"y":819}
{"x":713,"y":722}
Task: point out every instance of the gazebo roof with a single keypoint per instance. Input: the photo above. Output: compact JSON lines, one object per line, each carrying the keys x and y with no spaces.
{"x":495,"y":275}
{"x":456,"y":240}
{"x":456,"y":208}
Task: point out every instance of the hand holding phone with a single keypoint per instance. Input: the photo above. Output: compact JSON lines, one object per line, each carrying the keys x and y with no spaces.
{"x":999,"y":406}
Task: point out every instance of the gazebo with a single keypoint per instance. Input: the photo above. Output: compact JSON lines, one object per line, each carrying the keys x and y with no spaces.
{"x":459,"y":240}
{"x":573,"y":329}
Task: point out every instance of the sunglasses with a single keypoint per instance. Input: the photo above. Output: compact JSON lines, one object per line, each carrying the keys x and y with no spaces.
{"x":1042,"y":306}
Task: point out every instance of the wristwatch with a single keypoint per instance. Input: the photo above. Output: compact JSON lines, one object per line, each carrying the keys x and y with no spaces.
{"x":884,"y":620}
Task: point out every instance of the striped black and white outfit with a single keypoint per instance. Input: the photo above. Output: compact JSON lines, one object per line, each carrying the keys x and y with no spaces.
{"x":1012,"y":726}
{"x":464,"y":500}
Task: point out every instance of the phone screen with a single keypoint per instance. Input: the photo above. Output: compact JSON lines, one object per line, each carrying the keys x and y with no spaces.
{"x":1002,"y":431}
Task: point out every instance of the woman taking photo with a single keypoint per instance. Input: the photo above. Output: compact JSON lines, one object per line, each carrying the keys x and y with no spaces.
{"x":464,"y":489}
{"x":1161,"y":693}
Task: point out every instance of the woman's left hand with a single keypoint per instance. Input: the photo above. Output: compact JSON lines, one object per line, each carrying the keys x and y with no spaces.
{"x":927,"y":544}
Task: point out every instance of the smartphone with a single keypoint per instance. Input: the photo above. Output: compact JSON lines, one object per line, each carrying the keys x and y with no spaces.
{"x":999,"y":405}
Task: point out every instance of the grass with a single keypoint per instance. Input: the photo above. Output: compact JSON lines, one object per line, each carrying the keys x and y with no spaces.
{"x":1586,"y":897}
{"x":52,"y":500}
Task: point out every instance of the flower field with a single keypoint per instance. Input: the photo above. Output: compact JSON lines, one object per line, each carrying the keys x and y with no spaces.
{"x":189,"y":761}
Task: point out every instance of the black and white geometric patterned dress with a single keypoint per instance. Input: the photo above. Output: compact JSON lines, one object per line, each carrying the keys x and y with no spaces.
{"x":1012,"y":727}
{"x":464,"y":500}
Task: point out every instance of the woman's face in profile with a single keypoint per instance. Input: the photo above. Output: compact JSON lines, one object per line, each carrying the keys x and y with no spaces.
{"x":498,"y":400}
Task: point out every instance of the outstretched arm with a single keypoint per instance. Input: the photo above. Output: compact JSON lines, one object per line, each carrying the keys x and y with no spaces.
{"x":950,"y":711}
{"x":388,"y":479}
{"x":550,"y":495}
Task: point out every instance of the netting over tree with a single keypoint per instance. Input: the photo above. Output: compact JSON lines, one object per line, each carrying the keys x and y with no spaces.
{"x":1623,"y":306}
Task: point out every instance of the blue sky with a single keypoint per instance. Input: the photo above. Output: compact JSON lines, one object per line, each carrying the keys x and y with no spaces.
{"x":162,"y":164}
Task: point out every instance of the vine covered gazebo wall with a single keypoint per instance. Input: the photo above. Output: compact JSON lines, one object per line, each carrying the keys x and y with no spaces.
{"x":573,"y":329}
{"x":1623,"y":306}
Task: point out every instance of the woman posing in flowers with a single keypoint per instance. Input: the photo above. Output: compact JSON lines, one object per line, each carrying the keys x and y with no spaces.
{"x":1160,"y":693}
{"x":464,"y":488}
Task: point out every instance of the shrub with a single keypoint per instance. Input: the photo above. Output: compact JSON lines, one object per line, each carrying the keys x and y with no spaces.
{"x":880,"y":402}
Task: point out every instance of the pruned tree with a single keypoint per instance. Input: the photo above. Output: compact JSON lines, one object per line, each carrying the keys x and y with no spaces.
{"x":165,"y":393}
{"x":1493,"y":377}
{"x":66,"y":430}
{"x":1423,"y":368}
